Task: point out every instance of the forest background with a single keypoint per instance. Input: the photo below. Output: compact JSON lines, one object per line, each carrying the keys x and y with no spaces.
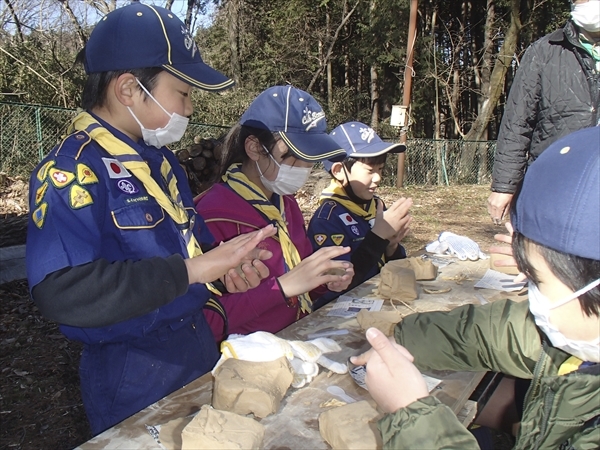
{"x":350,"y":54}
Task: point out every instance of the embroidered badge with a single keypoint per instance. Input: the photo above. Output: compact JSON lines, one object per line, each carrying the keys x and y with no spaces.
{"x":115,"y":169}
{"x":79,"y":197}
{"x":128,"y":187}
{"x":347,"y":219}
{"x":354,"y":229}
{"x":44,"y":170}
{"x":39,"y":193}
{"x":39,"y":215}
{"x":85,"y":175}
{"x":337,"y":238}
{"x":320,"y":238}
{"x":60,"y":178}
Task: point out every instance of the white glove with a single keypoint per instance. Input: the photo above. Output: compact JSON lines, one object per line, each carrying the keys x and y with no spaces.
{"x":460,"y":246}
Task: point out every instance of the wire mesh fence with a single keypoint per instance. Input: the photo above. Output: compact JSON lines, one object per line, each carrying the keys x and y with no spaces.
{"x":28,"y":132}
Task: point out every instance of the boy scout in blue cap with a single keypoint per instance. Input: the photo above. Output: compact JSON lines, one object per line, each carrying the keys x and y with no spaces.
{"x":114,"y":243}
{"x":350,"y":214}
{"x":553,"y":339}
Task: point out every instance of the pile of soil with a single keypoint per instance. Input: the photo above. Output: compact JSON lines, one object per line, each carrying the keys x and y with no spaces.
{"x":40,"y":402}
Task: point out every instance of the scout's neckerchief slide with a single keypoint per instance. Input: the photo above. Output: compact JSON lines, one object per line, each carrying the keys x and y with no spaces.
{"x":336,"y":192}
{"x":133,"y":162}
{"x":237,"y":181}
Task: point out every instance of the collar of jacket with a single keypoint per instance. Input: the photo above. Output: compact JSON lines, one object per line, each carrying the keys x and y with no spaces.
{"x":567,"y":33}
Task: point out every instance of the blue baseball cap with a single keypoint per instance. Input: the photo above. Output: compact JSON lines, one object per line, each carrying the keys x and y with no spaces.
{"x":360,"y":141}
{"x":139,"y":36}
{"x":299,"y":120}
{"x":559,"y":203}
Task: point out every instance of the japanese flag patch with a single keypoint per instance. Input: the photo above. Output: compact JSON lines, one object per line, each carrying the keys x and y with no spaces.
{"x":347,"y":219}
{"x":115,"y":169}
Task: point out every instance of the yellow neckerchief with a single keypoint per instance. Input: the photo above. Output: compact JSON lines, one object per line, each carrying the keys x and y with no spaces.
{"x":336,"y":192}
{"x":569,"y":365}
{"x":133,"y":162}
{"x":241,"y":185}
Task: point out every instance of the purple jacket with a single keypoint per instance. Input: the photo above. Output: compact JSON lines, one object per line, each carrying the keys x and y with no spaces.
{"x":263,"y":308}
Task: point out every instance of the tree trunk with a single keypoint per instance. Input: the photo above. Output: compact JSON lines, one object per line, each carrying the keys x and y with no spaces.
{"x":233,"y":37}
{"x":81,"y":37}
{"x":374,"y":98}
{"x":503,"y":61}
{"x":16,"y":20}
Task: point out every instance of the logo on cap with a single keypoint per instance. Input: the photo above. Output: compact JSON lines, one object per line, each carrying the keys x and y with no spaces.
{"x":367,"y":134}
{"x":188,"y":40}
{"x":311,"y":118}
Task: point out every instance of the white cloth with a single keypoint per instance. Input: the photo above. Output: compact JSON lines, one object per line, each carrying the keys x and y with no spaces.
{"x":302,"y":355}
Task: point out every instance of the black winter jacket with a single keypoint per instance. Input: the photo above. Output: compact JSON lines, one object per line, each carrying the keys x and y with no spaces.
{"x":555,"y":92}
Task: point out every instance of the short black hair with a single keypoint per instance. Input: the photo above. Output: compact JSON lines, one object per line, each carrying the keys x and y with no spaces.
{"x":94,"y":91}
{"x":372,"y":160}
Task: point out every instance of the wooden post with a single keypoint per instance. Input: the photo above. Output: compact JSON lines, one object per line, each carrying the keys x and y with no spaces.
{"x":408,"y":75}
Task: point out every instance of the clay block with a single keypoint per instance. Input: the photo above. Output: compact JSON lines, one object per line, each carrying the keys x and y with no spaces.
{"x":397,"y":282}
{"x":385,"y":321}
{"x":352,"y":426}
{"x":214,"y":429}
{"x":245,"y":387}
{"x":424,"y":269}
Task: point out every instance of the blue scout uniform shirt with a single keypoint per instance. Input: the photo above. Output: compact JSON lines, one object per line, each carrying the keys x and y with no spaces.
{"x":333,"y":224}
{"x":86,"y":206}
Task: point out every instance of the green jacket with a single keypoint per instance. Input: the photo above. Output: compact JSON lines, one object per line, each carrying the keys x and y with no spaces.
{"x":561,"y":412}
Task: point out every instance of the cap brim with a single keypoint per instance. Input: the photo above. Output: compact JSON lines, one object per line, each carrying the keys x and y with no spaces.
{"x":313,"y":147}
{"x":201,"y":76}
{"x":378,"y":148}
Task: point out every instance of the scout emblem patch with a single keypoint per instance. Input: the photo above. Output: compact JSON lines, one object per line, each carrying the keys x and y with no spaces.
{"x":39,"y":193}
{"x":320,"y":238}
{"x":44,"y":170}
{"x":79,"y":197}
{"x":60,"y":178}
{"x":337,"y":238}
{"x":115,"y":169}
{"x":355,"y":230}
{"x":85,"y":175}
{"x":39,"y":215}
{"x":347,"y":219}
{"x":128,"y":187}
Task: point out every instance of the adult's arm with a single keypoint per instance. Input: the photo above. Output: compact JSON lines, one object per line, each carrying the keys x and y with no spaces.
{"x":518,"y":123}
{"x":101,"y":293}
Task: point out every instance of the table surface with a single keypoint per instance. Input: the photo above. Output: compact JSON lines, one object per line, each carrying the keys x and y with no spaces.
{"x":295,"y":425}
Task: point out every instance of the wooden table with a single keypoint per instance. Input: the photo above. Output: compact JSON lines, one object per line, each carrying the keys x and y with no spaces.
{"x":296,"y":423}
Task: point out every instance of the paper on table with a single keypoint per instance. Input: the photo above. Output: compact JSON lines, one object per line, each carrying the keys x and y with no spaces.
{"x":346,"y":306}
{"x":499,"y":281}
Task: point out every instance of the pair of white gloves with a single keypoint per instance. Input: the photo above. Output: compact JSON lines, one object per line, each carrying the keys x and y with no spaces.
{"x":303,"y":356}
{"x":460,"y":246}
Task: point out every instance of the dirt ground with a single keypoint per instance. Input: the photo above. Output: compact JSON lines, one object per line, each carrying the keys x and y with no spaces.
{"x":40,"y":404}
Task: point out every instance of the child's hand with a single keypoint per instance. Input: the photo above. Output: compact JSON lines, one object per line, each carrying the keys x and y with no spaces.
{"x":221,"y":260}
{"x":313,"y":271}
{"x":393,"y":223}
{"x":393,"y":380}
{"x":504,"y":250}
{"x":253,"y":273}
{"x":339,"y":286}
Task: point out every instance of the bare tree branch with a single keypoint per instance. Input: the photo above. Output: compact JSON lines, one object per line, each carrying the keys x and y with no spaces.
{"x":16,"y":19}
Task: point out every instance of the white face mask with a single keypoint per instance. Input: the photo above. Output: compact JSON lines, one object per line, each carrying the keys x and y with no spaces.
{"x":587,"y":15}
{"x":540,"y":307}
{"x":289,"y":178}
{"x":172,"y":132}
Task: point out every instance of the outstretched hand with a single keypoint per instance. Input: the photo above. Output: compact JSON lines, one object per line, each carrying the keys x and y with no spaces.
{"x":509,"y":261}
{"x":317,"y":269}
{"x":393,"y":380}
{"x":222,"y":261}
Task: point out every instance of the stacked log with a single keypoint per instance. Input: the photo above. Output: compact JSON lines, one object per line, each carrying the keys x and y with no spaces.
{"x":201,"y":161}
